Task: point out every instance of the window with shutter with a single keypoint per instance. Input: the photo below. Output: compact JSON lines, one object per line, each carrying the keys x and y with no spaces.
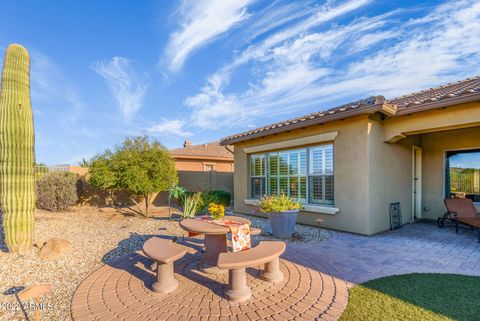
{"x":304,"y":174}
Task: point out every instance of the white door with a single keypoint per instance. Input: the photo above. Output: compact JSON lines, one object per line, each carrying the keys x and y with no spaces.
{"x":417,"y":183}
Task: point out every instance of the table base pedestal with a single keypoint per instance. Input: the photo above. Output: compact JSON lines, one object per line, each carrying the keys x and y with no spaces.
{"x":210,"y":269}
{"x":214,"y":245}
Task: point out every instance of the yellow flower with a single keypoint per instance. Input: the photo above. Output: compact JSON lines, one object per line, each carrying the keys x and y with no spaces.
{"x":216,"y":211}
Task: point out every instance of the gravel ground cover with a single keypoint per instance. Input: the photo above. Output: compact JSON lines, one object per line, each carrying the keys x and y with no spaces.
{"x":98,"y":236}
{"x":303,"y":233}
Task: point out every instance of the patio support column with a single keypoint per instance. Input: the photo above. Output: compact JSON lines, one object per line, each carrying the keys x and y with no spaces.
{"x":271,"y":272}
{"x":166,"y":281}
{"x":238,"y":290}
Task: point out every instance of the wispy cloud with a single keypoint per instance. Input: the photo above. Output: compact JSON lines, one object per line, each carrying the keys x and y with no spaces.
{"x":173,"y":128}
{"x":302,"y":65}
{"x":201,"y":21}
{"x":283,"y":61}
{"x":276,"y":15}
{"x":58,"y":107}
{"x":48,"y":85}
{"x":369,"y":40}
{"x":126,"y":84}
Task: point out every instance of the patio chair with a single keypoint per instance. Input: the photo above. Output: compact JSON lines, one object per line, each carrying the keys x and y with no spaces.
{"x":460,"y":211}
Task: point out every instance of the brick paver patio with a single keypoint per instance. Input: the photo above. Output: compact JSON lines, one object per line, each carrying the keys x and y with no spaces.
{"x":419,"y":247}
{"x":317,"y":277}
{"x":121,"y":291}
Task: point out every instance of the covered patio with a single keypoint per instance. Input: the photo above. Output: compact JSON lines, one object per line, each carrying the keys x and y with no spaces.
{"x":444,"y":160}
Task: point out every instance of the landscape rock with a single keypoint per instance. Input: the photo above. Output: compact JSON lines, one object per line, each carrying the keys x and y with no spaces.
{"x":54,"y":248}
{"x":107,"y":209}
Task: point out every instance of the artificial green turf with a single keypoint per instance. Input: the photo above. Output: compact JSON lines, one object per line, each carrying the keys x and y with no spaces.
{"x":418,"y":296}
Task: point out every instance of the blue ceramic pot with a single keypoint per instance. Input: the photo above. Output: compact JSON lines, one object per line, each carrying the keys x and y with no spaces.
{"x":283,"y":223}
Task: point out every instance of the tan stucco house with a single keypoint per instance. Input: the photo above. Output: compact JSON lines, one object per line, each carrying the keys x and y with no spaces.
{"x":349,"y":163}
{"x":203,"y":157}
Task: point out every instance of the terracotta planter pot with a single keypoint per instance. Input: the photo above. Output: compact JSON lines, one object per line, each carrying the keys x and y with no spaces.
{"x":283,"y":223}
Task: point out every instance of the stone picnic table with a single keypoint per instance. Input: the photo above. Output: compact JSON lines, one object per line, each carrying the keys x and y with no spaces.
{"x":215,"y":239}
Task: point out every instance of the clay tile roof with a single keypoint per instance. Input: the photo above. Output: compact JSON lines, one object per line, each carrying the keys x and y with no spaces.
{"x":306,"y":120}
{"x":449,"y":94}
{"x":444,"y":92}
{"x":207,"y":150}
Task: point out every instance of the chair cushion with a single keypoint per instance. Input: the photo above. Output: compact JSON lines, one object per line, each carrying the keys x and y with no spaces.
{"x":162,"y":250}
{"x":462,"y":206}
{"x":472,"y":221}
{"x":264,"y":252}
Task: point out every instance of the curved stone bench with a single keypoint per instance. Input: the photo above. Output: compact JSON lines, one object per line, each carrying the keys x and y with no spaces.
{"x":266,"y":252}
{"x":165,"y":253}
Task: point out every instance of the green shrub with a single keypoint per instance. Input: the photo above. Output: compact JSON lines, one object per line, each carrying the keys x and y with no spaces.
{"x":223,"y":197}
{"x":217,"y":197}
{"x":199,"y":207}
{"x":207,"y":199}
{"x":140,"y":166}
{"x":56,"y":191}
{"x":191,"y":203}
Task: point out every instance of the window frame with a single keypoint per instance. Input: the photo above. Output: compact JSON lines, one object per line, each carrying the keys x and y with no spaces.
{"x":307,"y":175}
{"x":209,"y":165}
{"x":288,"y":176}
{"x":323,"y":174}
{"x":446,"y":170}
{"x":262,"y":176}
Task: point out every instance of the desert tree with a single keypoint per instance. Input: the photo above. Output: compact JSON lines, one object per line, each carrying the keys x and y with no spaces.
{"x":140,"y":166}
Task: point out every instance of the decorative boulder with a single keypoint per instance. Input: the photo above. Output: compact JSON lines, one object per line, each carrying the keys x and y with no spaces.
{"x":54,"y":248}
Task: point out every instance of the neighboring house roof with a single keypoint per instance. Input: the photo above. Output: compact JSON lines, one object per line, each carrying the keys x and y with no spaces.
{"x":454,"y":93}
{"x":203,"y":151}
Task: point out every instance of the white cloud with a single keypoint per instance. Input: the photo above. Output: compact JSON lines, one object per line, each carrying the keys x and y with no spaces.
{"x":211,"y":108}
{"x":297,"y":67}
{"x":286,"y":59}
{"x":276,"y":16}
{"x":368,"y":40}
{"x":127,"y":85}
{"x":202,"y":21}
{"x":172,"y":128}
{"x":50,"y":87}
{"x":446,"y":49}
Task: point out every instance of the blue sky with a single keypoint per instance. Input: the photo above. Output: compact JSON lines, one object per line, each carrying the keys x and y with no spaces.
{"x":198,"y":69}
{"x":466,"y":160}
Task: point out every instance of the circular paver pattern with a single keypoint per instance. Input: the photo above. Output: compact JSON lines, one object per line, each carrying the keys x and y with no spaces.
{"x":121,"y":291}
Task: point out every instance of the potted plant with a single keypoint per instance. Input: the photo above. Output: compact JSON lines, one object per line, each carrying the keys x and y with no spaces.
{"x":282,"y":213}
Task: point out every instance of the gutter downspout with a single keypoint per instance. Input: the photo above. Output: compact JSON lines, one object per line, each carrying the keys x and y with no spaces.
{"x":233,"y":195}
{"x":226,"y":147}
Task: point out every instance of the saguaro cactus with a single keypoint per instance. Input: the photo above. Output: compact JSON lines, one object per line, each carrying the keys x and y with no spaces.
{"x":17,"y":157}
